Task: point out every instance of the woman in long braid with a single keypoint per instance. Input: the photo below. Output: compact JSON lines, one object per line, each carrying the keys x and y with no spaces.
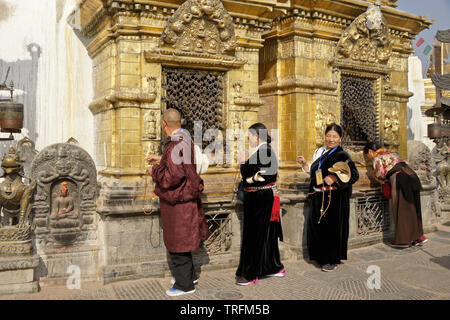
{"x":260,"y":255}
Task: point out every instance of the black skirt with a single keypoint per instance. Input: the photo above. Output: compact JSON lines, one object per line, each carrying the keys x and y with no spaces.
{"x":327,"y":240}
{"x":260,"y":254}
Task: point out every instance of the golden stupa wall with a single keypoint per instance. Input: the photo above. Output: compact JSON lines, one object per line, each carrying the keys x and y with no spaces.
{"x":301,"y":68}
{"x":283,"y":70}
{"x":284,"y":73}
{"x":129,"y":55}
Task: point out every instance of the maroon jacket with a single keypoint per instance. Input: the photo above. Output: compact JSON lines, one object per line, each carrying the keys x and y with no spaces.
{"x":179,"y":188}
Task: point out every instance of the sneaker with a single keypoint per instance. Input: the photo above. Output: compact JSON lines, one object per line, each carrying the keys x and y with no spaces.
{"x":329,"y":267}
{"x":173,"y":281}
{"x":281,"y":273}
{"x":176,"y":292}
{"x":396,"y":245}
{"x":244,"y":282}
{"x":420,"y":241}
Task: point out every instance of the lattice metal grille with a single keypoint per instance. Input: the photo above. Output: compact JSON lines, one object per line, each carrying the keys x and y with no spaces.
{"x":372,"y":214}
{"x":220,"y":227}
{"x":198,"y":95}
{"x":358,"y":110}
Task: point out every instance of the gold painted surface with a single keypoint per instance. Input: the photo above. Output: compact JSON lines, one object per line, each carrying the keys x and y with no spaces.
{"x":285,"y":74}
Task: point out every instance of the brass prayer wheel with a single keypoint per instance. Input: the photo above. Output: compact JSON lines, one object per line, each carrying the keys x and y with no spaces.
{"x":11,"y":116}
{"x":434,"y":130}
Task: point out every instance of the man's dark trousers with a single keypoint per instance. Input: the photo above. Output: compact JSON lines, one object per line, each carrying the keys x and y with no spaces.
{"x":183,"y":270}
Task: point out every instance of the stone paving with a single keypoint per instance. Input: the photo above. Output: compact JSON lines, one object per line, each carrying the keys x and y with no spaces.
{"x":415,"y":273}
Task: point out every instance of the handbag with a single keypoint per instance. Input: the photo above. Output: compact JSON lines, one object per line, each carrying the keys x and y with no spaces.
{"x":386,"y":190}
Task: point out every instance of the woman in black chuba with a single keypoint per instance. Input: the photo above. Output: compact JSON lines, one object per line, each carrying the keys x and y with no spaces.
{"x":327,"y":235}
{"x":260,"y":255}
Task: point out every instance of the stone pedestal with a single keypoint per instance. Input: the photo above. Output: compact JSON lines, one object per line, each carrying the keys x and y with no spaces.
{"x":18,"y":274}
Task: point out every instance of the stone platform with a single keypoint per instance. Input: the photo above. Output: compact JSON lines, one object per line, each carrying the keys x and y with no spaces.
{"x":415,"y":273}
{"x":18,"y":274}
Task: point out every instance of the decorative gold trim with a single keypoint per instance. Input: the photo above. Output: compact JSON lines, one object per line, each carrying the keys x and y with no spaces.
{"x":288,"y":83}
{"x":110,"y":101}
{"x":247,"y":101}
{"x":360,"y":66}
{"x":196,"y":60}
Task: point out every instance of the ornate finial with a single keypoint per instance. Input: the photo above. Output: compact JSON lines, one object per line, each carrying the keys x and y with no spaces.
{"x":200,"y":27}
{"x":72,"y":140}
{"x":367,"y":39}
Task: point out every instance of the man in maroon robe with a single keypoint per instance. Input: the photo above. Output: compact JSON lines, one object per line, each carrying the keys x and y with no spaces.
{"x":179,"y":188}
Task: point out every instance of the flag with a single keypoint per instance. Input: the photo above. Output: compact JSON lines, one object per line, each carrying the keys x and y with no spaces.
{"x":420,"y":42}
{"x":427,"y":50}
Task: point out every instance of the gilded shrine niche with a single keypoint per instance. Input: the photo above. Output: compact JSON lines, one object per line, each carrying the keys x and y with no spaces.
{"x":361,"y":58}
{"x":358,"y":110}
{"x":198,"y":95}
{"x":64,"y":203}
{"x":196,"y":49}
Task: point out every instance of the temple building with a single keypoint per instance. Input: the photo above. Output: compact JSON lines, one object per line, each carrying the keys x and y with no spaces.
{"x":295,"y":65}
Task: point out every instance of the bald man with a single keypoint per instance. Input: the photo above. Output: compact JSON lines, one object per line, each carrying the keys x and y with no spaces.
{"x":179,"y":189}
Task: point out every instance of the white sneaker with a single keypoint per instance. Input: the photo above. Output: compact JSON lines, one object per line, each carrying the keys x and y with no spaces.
{"x":281,"y":273}
{"x":175,"y":292}
{"x":172,"y":281}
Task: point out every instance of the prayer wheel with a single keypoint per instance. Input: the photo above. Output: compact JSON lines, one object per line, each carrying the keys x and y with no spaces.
{"x":11,"y":116}
{"x":434,"y":130}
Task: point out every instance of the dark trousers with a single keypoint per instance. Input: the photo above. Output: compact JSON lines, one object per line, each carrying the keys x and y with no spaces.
{"x":182,"y":267}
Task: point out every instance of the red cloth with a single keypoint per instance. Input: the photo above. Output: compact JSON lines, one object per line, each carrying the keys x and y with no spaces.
{"x":386,"y":189}
{"x":275,"y":216}
{"x":179,"y":189}
{"x":276,"y":206}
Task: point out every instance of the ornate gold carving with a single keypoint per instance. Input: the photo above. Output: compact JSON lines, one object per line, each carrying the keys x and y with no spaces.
{"x":391,"y":3}
{"x":150,"y":148}
{"x":240,"y":100}
{"x":237,"y":88}
{"x":367,"y":39}
{"x":391,"y":127}
{"x":150,"y":124}
{"x":236,"y":124}
{"x":152,"y":85}
{"x":324,"y":117}
{"x":200,"y":26}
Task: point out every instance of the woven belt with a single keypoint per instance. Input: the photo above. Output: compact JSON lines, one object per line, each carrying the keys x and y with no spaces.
{"x":252,"y":189}
{"x":322,"y":189}
{"x":276,"y":207}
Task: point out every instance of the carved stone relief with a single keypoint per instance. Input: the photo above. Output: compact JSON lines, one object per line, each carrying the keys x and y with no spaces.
{"x":420,"y":160}
{"x":64,"y":203}
{"x":367,"y":39}
{"x":200,"y":26}
{"x":441,"y":157}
